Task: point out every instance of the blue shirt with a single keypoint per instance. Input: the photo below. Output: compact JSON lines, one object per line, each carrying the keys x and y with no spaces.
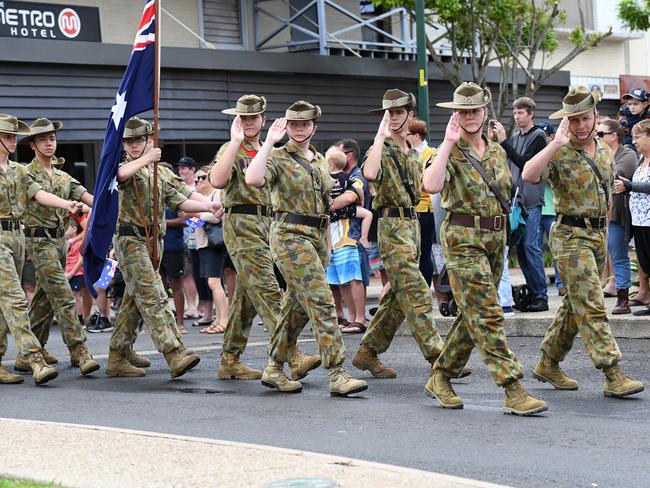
{"x":173,"y":239}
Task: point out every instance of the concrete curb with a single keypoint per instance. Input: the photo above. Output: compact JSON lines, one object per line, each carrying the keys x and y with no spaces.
{"x":51,"y":452}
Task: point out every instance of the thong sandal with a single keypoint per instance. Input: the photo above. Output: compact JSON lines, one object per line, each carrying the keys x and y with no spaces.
{"x":354,"y":328}
{"x":637,"y":303}
{"x":214,"y":329}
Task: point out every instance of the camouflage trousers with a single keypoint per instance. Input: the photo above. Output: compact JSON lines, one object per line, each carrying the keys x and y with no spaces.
{"x":580,"y":256}
{"x":14,"y":315}
{"x":145,"y":290}
{"x":409,"y":297}
{"x":53,"y":295}
{"x":257,"y":290}
{"x":300,"y":253}
{"x":474,"y":260}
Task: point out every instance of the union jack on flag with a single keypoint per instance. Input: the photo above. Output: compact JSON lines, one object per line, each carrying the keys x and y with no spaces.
{"x":134,"y":96}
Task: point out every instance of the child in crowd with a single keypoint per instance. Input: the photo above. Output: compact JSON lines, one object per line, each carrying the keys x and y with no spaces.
{"x":74,"y":272}
{"x":636,"y":109}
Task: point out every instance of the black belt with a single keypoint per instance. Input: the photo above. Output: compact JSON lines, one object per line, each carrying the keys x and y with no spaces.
{"x":131,"y":231}
{"x":55,"y":233}
{"x":298,"y":219}
{"x":262,"y":210}
{"x":497,"y":222}
{"x":583,"y":222}
{"x":405,"y":212}
{"x":10,"y":224}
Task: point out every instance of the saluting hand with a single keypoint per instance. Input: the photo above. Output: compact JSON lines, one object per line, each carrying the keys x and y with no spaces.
{"x":236,"y":131}
{"x":277,"y":131}
{"x":383,"y":132}
{"x":563,"y":135}
{"x":453,"y":131}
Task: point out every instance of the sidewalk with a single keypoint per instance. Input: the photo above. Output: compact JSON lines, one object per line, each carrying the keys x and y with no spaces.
{"x":535,"y":324}
{"x":49,"y":452}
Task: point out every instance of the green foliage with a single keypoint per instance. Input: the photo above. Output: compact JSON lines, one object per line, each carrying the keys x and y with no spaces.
{"x":634,"y":15}
{"x":5,"y":483}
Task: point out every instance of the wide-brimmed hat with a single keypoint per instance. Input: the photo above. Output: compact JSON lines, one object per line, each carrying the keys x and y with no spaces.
{"x":11,"y":125}
{"x":637,"y":94}
{"x":395,"y":98}
{"x":468,"y":96}
{"x":137,"y":127}
{"x":578,"y":101}
{"x":247,"y":105}
{"x":302,"y":110}
{"x":41,"y":126}
{"x":187,"y":161}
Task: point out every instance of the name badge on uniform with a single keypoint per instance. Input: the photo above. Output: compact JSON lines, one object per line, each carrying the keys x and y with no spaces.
{"x":243,"y":164}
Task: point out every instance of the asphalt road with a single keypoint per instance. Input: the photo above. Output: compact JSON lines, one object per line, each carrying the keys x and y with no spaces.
{"x":584,"y":440}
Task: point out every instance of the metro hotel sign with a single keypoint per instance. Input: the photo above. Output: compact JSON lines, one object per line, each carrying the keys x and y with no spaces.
{"x":46,"y":21}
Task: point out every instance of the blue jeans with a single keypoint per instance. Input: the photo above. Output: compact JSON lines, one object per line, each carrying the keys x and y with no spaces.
{"x":618,"y":245}
{"x":545,"y":229}
{"x":530,"y":256}
{"x":505,"y":285}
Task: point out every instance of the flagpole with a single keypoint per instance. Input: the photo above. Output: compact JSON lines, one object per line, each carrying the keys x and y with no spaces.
{"x":156,"y":100}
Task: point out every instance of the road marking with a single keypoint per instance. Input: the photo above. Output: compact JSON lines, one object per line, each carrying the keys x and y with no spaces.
{"x":153,"y":353}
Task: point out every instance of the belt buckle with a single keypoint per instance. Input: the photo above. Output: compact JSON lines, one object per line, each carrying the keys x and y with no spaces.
{"x":602,"y":222}
{"x":498,"y":222}
{"x":323,"y":222}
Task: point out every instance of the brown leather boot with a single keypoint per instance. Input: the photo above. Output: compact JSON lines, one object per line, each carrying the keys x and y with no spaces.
{"x":49,"y":358}
{"x":84,"y":359}
{"x":301,"y":364}
{"x":549,"y":371}
{"x":622,"y":302}
{"x":8,"y":378}
{"x":366,"y":359}
{"x":231,"y":368}
{"x":619,"y":385}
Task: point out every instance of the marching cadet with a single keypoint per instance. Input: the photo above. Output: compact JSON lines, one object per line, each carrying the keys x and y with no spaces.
{"x":17,"y":187}
{"x":472,"y":174}
{"x":579,"y":168}
{"x":298,"y":178}
{"x":246,"y":233}
{"x":132,"y":248}
{"x":45,"y":243}
{"x":395,"y":168}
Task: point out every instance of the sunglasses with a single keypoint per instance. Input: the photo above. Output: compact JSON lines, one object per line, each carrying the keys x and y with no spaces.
{"x":600,"y":133}
{"x":201,"y":178}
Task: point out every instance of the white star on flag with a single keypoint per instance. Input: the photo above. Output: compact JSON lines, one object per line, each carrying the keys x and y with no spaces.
{"x":119,"y":108}
{"x":113,"y":186}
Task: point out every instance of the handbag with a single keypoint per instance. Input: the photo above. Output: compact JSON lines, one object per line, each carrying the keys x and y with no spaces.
{"x":214,"y":232}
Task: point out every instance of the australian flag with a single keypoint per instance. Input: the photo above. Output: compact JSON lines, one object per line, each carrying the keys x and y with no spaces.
{"x":135,"y":95}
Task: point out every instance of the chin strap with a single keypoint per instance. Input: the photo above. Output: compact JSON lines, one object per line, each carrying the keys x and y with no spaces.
{"x":6,"y":148}
{"x":588,"y":135}
{"x":401,"y":126}
{"x":306,"y":138}
{"x":474,"y":132}
{"x":39,"y":151}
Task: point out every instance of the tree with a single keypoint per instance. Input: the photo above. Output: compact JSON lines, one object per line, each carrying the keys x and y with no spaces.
{"x":515,"y":35}
{"x":634,"y":15}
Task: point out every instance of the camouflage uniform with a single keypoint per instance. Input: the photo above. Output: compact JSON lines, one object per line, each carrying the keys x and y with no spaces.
{"x":580,"y":254}
{"x":474,"y":260}
{"x":399,"y":246}
{"x":129,"y":316}
{"x":144,"y":286}
{"x":17,"y":187}
{"x":247,"y":240}
{"x":300,"y":253}
{"x":53,"y":296}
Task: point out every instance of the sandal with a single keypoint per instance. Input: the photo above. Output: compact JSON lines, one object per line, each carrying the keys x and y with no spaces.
{"x":201,"y":323}
{"x":214,"y":329}
{"x":343,"y":322}
{"x":633,"y":302}
{"x":183,"y":330}
{"x":354,"y":328}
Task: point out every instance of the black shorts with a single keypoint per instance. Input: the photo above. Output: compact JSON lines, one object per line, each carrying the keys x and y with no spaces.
{"x":77,"y":282}
{"x":212,"y":261}
{"x":172,"y":264}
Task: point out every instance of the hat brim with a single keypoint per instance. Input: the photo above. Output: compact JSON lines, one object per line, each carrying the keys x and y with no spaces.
{"x":459,"y":106}
{"x":57,"y":126}
{"x":233,"y":111}
{"x":23,"y":130}
{"x":382,"y":110}
{"x":560,"y":114}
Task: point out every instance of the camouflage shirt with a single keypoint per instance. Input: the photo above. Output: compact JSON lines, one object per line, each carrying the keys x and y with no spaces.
{"x":60,"y":184}
{"x":236,"y":191}
{"x":292,"y":188}
{"x":168,"y":196}
{"x":576,"y":188}
{"x":465,"y":191}
{"x":17,"y":187}
{"x":390,"y":188}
